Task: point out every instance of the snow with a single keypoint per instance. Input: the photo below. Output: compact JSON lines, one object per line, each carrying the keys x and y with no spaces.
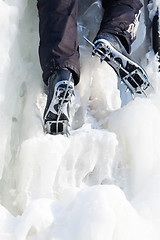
{"x":153,"y":6}
{"x":102,"y":182}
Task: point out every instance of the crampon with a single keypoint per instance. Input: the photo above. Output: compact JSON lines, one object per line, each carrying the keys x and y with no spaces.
{"x":129,"y":72}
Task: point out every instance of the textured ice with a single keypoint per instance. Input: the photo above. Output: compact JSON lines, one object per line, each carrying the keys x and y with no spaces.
{"x":100,"y":183}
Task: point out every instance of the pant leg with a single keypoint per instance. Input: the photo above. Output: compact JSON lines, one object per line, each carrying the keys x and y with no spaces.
{"x":121,"y":17}
{"x":58,"y":36}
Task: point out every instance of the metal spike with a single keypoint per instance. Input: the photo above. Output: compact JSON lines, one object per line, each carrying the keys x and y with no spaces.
{"x":122,"y":83}
{"x":133,"y":96}
{"x":89,"y":42}
{"x":127,"y":90}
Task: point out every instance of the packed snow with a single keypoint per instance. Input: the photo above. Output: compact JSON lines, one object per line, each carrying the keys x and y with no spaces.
{"x":102,"y":182}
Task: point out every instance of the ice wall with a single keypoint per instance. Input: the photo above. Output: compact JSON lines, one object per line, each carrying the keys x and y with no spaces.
{"x":100,"y":183}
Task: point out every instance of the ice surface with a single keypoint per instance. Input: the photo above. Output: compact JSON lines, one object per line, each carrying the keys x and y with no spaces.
{"x":100,"y":183}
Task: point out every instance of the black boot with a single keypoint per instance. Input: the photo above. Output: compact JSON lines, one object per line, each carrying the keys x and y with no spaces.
{"x":56,"y":114}
{"x":110,"y":49}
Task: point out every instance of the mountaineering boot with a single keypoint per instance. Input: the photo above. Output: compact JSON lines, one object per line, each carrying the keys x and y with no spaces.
{"x":111,"y":50}
{"x":60,"y":92}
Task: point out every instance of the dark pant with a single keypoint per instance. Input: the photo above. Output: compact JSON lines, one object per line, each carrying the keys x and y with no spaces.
{"x":58,"y":31}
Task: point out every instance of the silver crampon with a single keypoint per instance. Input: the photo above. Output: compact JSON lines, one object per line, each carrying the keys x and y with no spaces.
{"x":59,"y":108}
{"x":129,"y":72}
{"x":53,"y":127}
